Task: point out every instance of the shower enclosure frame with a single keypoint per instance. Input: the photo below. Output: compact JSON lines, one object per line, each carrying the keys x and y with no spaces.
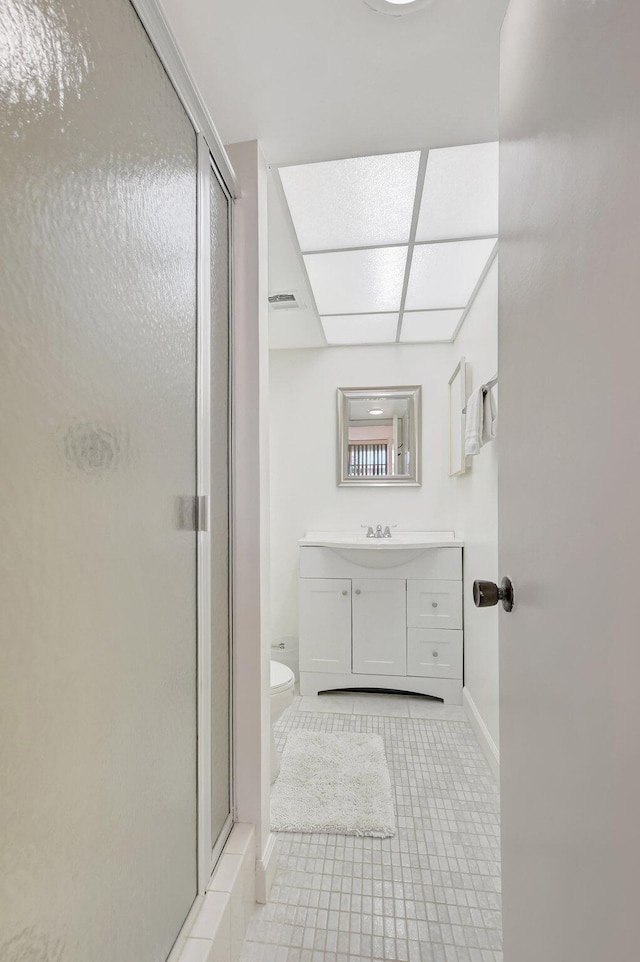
{"x":210,"y":849}
{"x":212,"y":161}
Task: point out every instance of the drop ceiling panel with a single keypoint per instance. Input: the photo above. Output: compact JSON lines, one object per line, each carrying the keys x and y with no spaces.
{"x":460,"y":193}
{"x":357,"y":282}
{"x":428,"y":326}
{"x":360,"y":328}
{"x":445,"y":275}
{"x":364,"y":201}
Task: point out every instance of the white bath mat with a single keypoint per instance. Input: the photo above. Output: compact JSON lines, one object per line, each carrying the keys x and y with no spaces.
{"x":336,"y":783}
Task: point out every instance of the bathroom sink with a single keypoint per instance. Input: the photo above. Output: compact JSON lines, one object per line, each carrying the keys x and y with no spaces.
{"x":399,"y":540}
{"x":403,"y":546}
{"x":378,"y":558}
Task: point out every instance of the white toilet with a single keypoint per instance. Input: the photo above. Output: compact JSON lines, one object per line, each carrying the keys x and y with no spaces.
{"x":282,"y":682}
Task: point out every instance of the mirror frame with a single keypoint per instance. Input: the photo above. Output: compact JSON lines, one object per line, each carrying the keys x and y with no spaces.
{"x":345,"y":394}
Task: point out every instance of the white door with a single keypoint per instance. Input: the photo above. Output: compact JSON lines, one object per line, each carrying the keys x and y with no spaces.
{"x":380,"y":626}
{"x":569,"y":489}
{"x":325,"y":625}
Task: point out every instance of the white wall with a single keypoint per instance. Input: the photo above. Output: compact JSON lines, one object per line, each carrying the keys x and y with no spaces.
{"x":476,"y":518}
{"x":251,"y":501}
{"x":304,"y":493}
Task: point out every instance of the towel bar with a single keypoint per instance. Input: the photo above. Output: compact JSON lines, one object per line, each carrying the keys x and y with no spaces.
{"x":485,"y":388}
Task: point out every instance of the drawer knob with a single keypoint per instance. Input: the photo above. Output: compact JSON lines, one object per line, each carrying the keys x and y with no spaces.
{"x":434,"y":604}
{"x":357,"y":591}
{"x":345,"y":593}
{"x":435,"y":654}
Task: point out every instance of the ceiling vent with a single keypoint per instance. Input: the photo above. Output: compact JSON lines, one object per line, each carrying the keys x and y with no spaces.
{"x":285,"y":302}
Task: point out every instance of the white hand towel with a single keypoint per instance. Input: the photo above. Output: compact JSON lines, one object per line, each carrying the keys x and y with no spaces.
{"x":473,"y":423}
{"x":489,"y":417}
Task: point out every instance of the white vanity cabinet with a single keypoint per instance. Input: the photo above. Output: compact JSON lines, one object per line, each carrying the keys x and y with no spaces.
{"x":381,"y":617}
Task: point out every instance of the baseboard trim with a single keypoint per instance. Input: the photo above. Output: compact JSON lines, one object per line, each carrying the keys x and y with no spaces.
{"x":266,"y":870}
{"x":487,"y":744}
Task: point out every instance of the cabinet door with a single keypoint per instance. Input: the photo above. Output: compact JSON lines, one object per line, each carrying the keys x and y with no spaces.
{"x":434,"y":653}
{"x":379,"y":627}
{"x":325,"y":624}
{"x":434,"y":604}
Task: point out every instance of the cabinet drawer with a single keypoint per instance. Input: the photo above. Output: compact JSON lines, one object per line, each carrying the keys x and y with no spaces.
{"x":434,"y":604}
{"x":433,"y":652}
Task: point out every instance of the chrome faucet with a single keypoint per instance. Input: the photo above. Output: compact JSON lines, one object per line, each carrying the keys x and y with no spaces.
{"x":379,"y":532}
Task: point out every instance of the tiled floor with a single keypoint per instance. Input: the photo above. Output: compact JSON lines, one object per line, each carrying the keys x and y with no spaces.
{"x":430,"y":894}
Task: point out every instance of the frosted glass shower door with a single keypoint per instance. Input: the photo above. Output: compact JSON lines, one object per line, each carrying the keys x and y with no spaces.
{"x":97,"y":465}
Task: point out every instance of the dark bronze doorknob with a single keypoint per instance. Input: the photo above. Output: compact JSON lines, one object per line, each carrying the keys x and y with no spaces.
{"x":486,"y":594}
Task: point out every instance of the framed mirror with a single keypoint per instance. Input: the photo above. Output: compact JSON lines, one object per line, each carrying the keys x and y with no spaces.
{"x":379,"y":436}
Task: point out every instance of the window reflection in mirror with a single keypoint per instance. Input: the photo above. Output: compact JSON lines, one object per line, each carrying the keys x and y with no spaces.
{"x":379,"y":436}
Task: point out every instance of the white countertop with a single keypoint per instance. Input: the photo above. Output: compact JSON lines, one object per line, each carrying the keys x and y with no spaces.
{"x":398,"y":540}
